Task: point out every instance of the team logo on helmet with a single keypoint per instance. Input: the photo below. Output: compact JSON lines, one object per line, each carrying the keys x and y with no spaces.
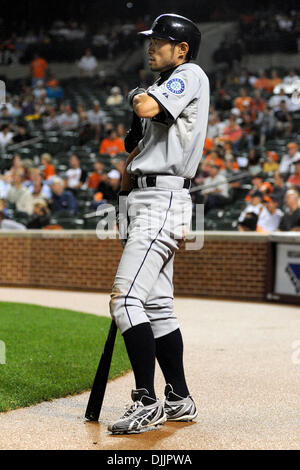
{"x":176,"y":85}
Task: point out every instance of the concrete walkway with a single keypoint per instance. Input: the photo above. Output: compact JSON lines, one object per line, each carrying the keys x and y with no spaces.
{"x":240,"y":371}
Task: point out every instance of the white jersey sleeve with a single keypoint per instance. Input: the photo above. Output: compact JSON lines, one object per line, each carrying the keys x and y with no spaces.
{"x":177,"y":92}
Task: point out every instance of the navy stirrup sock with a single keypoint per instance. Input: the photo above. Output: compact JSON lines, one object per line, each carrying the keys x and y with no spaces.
{"x":140,"y":345}
{"x":169,"y":353}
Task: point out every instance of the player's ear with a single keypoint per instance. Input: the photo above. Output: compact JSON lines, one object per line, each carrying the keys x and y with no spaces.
{"x":183,"y":49}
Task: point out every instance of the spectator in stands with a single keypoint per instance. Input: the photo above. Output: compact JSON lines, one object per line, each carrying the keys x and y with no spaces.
{"x":62,"y":200}
{"x":245,"y":78}
{"x":231,"y":166}
{"x":266,"y":123}
{"x":16,"y":109}
{"x":275,"y":80}
{"x":119,"y":164}
{"x":48,"y":167}
{"x":6,"y":137}
{"x":39,"y":91}
{"x":287,"y":161}
{"x":291,"y":77}
{"x":283,"y":120}
{"x":88,"y":64}
{"x":271,"y":165}
{"x":248,"y":224}
{"x":279,"y":188}
{"x":275,"y":100}
{"x":215,"y":196}
{"x":111,"y":187}
{"x":208,"y":146}
{"x":39,"y":107}
{"x":223,"y":101}
{"x":291,"y":218}
{"x":50,"y":119}
{"x":75,"y":175}
{"x":82,"y":114}
{"x":258,"y":103}
{"x":28,"y":108}
{"x":250,"y":130}
{"x":97,"y":175}
{"x":69,"y":120}
{"x":233,"y":132}
{"x":258,"y":184}
{"x":38,"y":68}
{"x":55,"y":92}
{"x":213,"y":158}
{"x":215,"y":127}
{"x":115,"y":98}
{"x":254,"y":206}
{"x":6,"y":116}
{"x":254,"y":165}
{"x":270,"y":216}
{"x":36,"y":187}
{"x":121,"y":131}
{"x":294,"y":179}
{"x":19,"y":195}
{"x":27,"y":165}
{"x":96,"y":118}
{"x":17,"y":165}
{"x":294,"y":102}
{"x":228,"y":150}
{"x":112,"y":144}
{"x":284,"y":22}
{"x":263,"y":83}
{"x":243,"y":101}
{"x":22,"y":134}
{"x":41,"y":215}
{"x":52,"y":81}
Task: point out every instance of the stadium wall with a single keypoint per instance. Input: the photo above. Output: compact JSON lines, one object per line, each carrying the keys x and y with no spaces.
{"x":230,"y":265}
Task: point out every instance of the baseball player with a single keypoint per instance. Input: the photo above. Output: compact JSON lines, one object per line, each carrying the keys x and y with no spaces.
{"x":166,"y":143}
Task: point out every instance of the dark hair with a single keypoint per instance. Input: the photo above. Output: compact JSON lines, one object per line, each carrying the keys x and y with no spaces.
{"x":256,"y":157}
{"x":250,"y":221}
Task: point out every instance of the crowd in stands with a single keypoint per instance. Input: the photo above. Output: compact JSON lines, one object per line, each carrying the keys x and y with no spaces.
{"x":252,"y":148}
{"x":271,"y":31}
{"x":67,"y":40}
{"x":32,"y":193}
{"x":265,"y":30}
{"x":33,"y":190}
{"x":260,"y":32}
{"x":249,"y":175}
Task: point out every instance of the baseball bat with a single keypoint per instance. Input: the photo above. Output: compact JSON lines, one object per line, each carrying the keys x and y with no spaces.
{"x":99,"y":385}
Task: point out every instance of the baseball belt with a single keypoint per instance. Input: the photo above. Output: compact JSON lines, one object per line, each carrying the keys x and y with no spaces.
{"x":160,"y":181}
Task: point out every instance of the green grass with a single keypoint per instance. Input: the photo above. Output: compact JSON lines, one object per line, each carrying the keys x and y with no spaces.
{"x":51,"y":353}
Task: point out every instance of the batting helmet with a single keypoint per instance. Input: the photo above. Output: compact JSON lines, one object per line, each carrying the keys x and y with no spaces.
{"x":176,"y":28}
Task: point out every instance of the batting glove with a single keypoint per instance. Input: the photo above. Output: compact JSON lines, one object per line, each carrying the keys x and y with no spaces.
{"x":133,"y":93}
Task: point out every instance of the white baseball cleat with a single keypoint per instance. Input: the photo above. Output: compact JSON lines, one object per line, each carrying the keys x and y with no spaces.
{"x":144,"y":413}
{"x":178,"y":408}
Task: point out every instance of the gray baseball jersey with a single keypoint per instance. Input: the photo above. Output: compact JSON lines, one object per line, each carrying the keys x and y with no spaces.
{"x":160,"y":216}
{"x":173,"y":142}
